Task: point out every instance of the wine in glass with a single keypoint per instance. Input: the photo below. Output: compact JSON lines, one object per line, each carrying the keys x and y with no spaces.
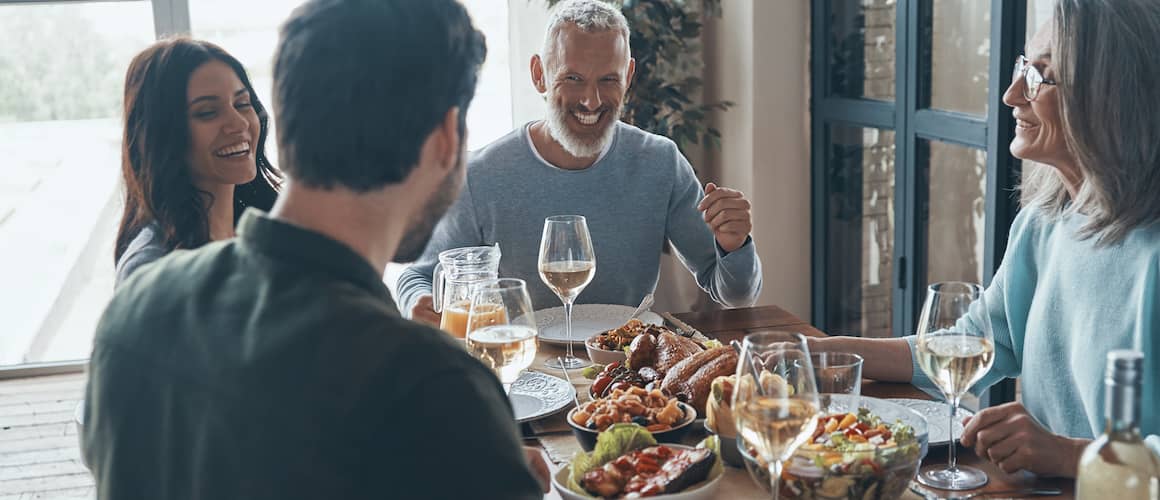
{"x":775,"y":402}
{"x":955,"y":351}
{"x":567,"y":264}
{"x":501,"y":328}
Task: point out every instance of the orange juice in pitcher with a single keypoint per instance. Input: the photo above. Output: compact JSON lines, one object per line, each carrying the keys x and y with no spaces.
{"x":457,"y":272}
{"x":455,"y":317}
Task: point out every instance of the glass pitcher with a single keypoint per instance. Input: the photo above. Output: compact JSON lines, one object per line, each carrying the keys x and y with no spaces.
{"x":457,"y":271}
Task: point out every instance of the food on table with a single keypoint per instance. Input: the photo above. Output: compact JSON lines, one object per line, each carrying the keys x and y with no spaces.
{"x":719,"y":409}
{"x":660,"y":352}
{"x":690,"y":379}
{"x":649,"y":409}
{"x":627,"y":462}
{"x":613,"y":376}
{"x":648,"y":472}
{"x":852,"y":456}
{"x":619,"y":338}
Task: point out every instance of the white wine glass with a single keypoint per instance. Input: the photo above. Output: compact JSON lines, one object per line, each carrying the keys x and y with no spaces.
{"x":775,"y":402}
{"x":567,"y":264}
{"x":501,"y":328}
{"x":955,"y":350}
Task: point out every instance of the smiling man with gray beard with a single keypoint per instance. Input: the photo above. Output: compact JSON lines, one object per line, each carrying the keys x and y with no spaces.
{"x":636,"y":188}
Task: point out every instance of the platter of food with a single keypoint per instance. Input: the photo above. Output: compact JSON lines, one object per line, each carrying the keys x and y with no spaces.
{"x":628,"y":462}
{"x":664,"y":417}
{"x":660,"y":359}
{"x":587,"y":320}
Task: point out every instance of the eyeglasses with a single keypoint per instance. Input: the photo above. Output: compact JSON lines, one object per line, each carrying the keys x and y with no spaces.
{"x":1031,"y":77}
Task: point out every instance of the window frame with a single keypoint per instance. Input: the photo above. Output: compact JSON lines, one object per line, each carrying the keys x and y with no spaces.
{"x":169,"y":17}
{"x":914,"y":123}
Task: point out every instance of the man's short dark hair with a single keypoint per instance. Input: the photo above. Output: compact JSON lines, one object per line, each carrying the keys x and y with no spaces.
{"x":360,"y":84}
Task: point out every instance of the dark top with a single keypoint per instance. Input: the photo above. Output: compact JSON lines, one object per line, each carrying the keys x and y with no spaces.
{"x":276,"y":365}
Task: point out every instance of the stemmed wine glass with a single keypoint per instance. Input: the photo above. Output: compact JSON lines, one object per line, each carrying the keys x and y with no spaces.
{"x":775,"y":403}
{"x":501,"y":328}
{"x":955,"y":350}
{"x":567,"y":265}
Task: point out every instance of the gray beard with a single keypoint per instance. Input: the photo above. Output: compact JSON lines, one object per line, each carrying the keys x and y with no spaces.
{"x":575,"y":146}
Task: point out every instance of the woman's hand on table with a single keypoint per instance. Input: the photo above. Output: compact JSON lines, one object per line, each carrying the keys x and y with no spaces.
{"x":1012,"y":439}
{"x":539,"y":466}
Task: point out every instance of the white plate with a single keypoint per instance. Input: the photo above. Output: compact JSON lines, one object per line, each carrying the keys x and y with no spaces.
{"x":587,"y":320}
{"x":703,"y":490}
{"x":537,"y":395}
{"x":935,"y":413}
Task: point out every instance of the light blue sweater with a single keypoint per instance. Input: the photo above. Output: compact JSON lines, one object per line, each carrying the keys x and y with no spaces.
{"x":641,"y":193}
{"x":1057,"y":305}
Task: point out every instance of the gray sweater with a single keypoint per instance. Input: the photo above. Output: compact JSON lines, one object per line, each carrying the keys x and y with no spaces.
{"x":145,"y":248}
{"x":639,"y":194}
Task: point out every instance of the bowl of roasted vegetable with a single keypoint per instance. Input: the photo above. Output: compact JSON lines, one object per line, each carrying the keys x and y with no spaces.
{"x":609,"y":346}
{"x":666,"y":418}
{"x":627,"y":462}
{"x":862,"y":448}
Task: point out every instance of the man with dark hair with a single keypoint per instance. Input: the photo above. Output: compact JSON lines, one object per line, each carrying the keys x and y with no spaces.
{"x":276,"y":364}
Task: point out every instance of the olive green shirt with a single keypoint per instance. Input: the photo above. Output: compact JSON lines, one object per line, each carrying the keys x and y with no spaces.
{"x":276,"y":365}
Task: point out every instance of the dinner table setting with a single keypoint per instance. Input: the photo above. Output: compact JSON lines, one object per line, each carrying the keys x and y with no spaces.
{"x":628,"y":402}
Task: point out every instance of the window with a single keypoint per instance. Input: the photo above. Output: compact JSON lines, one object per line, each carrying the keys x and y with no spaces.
{"x":911,"y":175}
{"x":62,"y":73}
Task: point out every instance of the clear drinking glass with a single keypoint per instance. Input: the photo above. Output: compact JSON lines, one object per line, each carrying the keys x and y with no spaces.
{"x":567,"y":265}
{"x":501,"y":328}
{"x":775,"y":402}
{"x":955,"y":350}
{"x":838,"y":372}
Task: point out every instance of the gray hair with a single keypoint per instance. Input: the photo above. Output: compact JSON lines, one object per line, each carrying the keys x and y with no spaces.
{"x":1104,"y":53}
{"x":592,"y":16}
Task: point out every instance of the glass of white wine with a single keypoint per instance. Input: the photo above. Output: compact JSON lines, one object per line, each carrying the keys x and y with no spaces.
{"x":501,"y":328}
{"x":955,"y":351}
{"x":567,"y":264}
{"x":775,"y":402}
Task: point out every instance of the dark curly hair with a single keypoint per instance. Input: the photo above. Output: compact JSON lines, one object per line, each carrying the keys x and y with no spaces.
{"x":158,"y":182}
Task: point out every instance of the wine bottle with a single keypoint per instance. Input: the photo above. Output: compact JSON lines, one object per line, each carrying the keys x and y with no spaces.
{"x":1118,"y":464}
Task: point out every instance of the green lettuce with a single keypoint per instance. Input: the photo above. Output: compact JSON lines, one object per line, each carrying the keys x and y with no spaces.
{"x":592,"y":370}
{"x":712,"y":344}
{"x":613,"y":442}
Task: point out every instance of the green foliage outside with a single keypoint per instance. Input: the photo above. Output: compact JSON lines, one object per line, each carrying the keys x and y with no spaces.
{"x":55,"y":64}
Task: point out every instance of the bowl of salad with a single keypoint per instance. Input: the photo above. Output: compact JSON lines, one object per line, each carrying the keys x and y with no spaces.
{"x":863,"y":448}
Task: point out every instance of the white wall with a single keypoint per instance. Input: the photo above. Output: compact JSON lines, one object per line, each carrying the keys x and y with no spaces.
{"x":757,"y":56}
{"x":526,"y":21}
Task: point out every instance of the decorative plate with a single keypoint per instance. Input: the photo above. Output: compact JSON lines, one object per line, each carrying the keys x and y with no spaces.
{"x":935,"y":413}
{"x":537,"y":395}
{"x":587,"y":320}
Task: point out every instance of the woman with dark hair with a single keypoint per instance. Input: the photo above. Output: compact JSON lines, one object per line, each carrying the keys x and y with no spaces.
{"x":193,"y":155}
{"x":1081,"y":273}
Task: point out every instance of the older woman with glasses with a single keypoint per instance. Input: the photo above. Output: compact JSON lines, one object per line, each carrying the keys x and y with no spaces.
{"x":1081,"y":275}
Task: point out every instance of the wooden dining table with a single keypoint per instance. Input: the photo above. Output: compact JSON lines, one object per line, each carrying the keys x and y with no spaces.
{"x":734,"y":324}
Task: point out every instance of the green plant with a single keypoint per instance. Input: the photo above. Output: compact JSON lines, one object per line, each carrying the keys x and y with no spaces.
{"x":665,"y":40}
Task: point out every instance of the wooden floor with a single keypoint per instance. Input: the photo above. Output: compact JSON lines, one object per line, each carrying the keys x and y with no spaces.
{"x":39,"y":454}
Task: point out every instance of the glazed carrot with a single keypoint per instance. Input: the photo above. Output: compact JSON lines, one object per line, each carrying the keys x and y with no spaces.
{"x":847,"y":421}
